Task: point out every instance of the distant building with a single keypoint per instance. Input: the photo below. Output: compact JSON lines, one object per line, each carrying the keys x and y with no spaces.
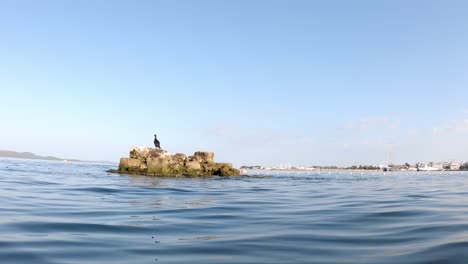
{"x":258,"y":167}
{"x":455,"y":166}
{"x":438,"y":165}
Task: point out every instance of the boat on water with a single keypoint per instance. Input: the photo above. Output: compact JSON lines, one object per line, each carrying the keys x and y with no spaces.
{"x":429,"y":168}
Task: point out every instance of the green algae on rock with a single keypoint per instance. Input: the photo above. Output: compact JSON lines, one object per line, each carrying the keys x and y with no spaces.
{"x":158,"y":162}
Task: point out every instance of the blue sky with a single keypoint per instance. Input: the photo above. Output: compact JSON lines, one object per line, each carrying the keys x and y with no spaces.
{"x":258,"y":82}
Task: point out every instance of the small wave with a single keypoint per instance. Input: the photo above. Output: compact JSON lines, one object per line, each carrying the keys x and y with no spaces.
{"x":78,"y":227}
{"x":95,"y":190}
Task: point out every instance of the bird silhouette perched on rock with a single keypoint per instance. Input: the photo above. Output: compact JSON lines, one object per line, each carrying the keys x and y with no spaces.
{"x":156,"y":142}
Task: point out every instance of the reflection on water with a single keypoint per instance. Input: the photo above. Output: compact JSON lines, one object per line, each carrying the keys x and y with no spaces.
{"x":53,"y":212}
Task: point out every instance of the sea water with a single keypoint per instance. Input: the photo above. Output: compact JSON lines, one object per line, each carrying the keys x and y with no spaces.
{"x":54,"y":212}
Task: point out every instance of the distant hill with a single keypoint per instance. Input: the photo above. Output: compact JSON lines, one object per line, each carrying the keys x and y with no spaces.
{"x":29,"y":155}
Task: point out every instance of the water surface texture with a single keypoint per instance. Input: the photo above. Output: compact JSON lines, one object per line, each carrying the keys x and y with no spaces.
{"x":53,"y":212}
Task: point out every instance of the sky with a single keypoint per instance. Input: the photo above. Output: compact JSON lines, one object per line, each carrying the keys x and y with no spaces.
{"x":257,"y":82}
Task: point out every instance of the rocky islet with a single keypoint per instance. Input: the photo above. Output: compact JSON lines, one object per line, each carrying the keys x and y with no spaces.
{"x":159,"y":162}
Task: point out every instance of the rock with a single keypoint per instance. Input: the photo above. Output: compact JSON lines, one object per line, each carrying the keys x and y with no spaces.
{"x":203,"y":156}
{"x":155,"y":165}
{"x":158,"y":162}
{"x":225,"y":169}
{"x":156,"y":153}
{"x":193,"y":168}
{"x":193,"y":165}
{"x":143,"y":153}
{"x":179,"y":157}
{"x":131,"y":165}
{"x":139,"y":152}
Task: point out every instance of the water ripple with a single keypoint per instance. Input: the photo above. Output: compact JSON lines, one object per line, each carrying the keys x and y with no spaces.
{"x":54,"y":212}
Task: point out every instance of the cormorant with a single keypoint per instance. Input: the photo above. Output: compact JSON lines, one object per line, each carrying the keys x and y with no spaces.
{"x":156,"y":142}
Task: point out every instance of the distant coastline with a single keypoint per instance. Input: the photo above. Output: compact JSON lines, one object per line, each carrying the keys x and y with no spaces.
{"x":420,"y":166}
{"x":29,"y":155}
{"x":32,"y":156}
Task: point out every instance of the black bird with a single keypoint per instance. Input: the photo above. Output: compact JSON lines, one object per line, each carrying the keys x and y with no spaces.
{"x":156,"y":142}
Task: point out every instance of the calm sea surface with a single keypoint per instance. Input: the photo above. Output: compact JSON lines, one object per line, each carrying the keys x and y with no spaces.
{"x":52,"y":212}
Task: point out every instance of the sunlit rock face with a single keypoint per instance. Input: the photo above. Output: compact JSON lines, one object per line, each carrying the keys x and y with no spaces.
{"x":159,"y":162}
